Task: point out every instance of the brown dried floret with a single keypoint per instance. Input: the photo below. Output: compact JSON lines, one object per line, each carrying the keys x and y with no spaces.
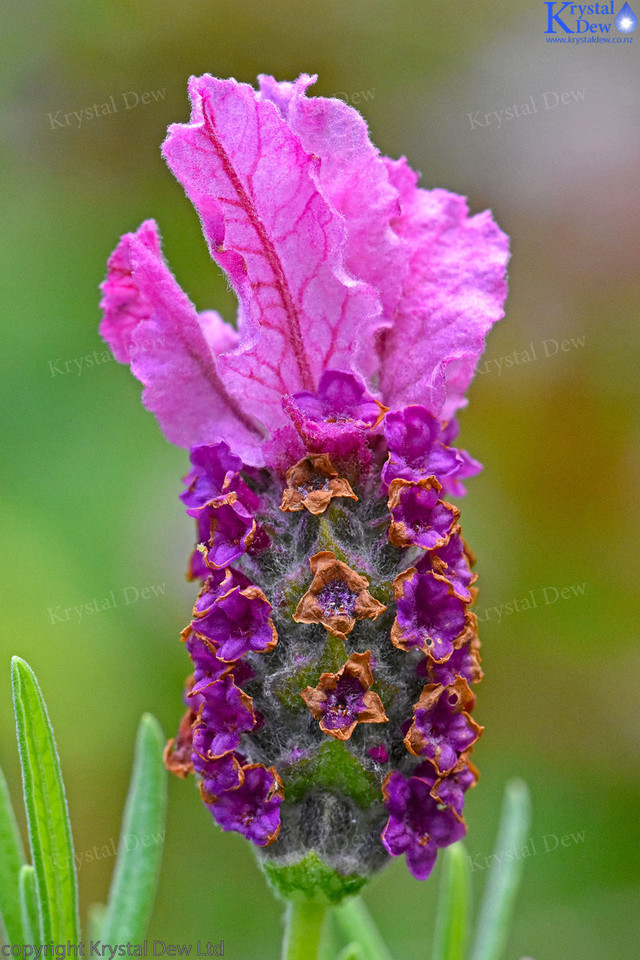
{"x":337,"y":597}
{"x":342,"y":700}
{"x":177,"y":753}
{"x":312,"y":483}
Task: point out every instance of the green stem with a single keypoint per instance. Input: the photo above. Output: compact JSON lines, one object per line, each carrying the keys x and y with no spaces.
{"x":304,"y":921}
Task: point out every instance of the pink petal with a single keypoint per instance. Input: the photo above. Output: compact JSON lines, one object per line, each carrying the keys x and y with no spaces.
{"x":150,"y":323}
{"x":220,"y":335}
{"x":454,"y":292}
{"x":283,"y":92}
{"x":280,"y":242}
{"x":354,"y":178}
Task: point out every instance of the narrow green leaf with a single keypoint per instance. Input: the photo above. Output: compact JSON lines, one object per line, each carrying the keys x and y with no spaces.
{"x":95,"y":920}
{"x":358,"y":925}
{"x":452,"y":919}
{"x":504,"y":874}
{"x":47,"y":813}
{"x":11,"y":859}
{"x":351,"y":952}
{"x":135,"y":875}
{"x":29,"y":905}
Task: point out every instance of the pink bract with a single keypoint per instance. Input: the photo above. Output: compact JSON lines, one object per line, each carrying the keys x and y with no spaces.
{"x":339,"y":261}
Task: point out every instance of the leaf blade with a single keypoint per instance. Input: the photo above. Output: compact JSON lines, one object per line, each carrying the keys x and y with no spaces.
{"x":47,"y":811}
{"x":29,"y":905}
{"x":351,"y":952}
{"x":451,"y":931}
{"x":358,"y":926}
{"x":137,"y":865}
{"x":504,"y":875}
{"x":95,"y":920}
{"x":11,"y":860}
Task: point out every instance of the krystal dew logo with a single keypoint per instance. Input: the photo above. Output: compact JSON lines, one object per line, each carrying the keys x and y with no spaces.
{"x":569,"y":18}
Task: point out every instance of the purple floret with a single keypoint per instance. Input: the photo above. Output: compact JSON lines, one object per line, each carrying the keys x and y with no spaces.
{"x":225,"y":530}
{"x":220,"y":501}
{"x":231,"y":529}
{"x":419,"y":518}
{"x":442,"y":730}
{"x":418,"y":448}
{"x":219,"y":775}
{"x":416,"y":826}
{"x":227,"y":713}
{"x":452,"y":562}
{"x":215,"y":469}
{"x":429,"y":616}
{"x":450,"y":790}
{"x":335,"y":419}
{"x":378,"y":754}
{"x":218,"y":584}
{"x":252,"y":809}
{"x":341,"y":398}
{"x":464,"y":662}
{"x":238,"y":622}
{"x":207,"y":665}
{"x":215,"y":473}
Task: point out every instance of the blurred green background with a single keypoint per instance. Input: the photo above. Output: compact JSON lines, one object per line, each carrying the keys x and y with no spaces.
{"x":89,"y":502}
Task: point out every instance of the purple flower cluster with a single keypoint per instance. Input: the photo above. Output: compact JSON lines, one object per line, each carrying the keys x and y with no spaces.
{"x":332,"y":644}
{"x":232,"y":624}
{"x":231,"y":618}
{"x":425,"y":808}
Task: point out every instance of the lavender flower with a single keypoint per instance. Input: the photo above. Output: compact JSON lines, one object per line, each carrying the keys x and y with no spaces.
{"x":419,"y":517}
{"x":332,"y":645}
{"x":417,"y":825}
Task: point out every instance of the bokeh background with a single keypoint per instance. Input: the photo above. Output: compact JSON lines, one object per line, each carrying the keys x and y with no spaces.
{"x":90,"y":487}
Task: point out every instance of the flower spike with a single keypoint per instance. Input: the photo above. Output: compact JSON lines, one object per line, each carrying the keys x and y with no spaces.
{"x":329,"y":716}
